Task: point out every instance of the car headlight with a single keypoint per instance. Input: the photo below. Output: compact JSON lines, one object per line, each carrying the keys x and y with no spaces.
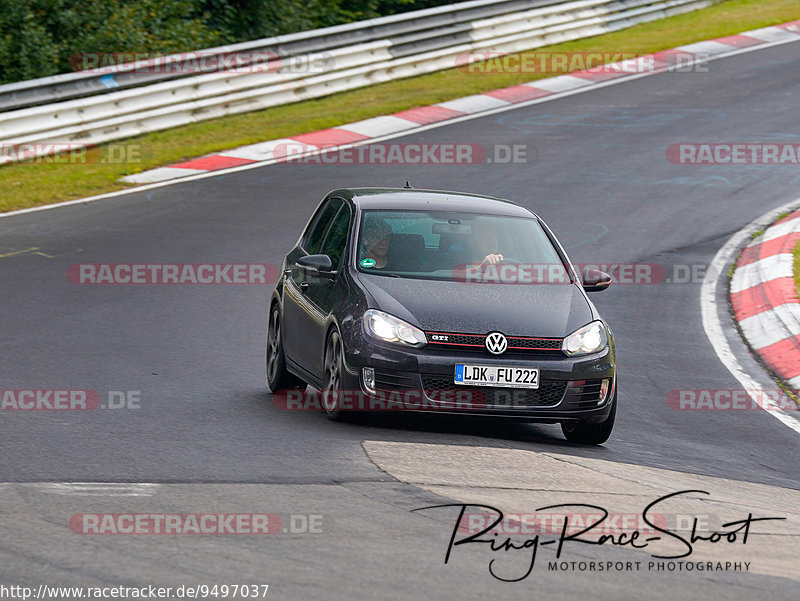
{"x":391,"y":329}
{"x":591,"y":338}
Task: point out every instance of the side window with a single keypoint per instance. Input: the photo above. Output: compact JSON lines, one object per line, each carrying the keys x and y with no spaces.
{"x":312,"y":239}
{"x":336,"y":240}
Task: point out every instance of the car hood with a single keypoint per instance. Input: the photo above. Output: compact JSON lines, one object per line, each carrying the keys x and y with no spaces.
{"x":546,"y":310}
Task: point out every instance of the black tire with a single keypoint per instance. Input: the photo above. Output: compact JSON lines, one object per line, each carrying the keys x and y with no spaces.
{"x":594,"y":434}
{"x":278,"y":377}
{"x":334,"y":368}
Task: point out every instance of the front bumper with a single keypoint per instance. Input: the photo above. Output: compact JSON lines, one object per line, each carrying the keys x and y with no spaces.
{"x":569,"y":387}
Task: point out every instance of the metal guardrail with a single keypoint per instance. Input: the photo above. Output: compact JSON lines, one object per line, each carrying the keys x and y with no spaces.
{"x":443,"y":21}
{"x":91,"y":107}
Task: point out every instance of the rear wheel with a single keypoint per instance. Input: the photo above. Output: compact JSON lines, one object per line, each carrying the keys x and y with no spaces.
{"x":278,"y":377}
{"x":334,"y":369}
{"x":587,"y":433}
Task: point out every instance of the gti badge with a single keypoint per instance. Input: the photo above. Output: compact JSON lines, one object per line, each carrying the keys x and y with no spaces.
{"x":496,"y":343}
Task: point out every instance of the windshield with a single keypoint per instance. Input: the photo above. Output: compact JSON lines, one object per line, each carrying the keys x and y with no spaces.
{"x":457,"y":246}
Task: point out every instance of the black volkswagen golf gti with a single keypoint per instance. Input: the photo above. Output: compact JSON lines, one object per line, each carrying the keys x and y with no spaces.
{"x":451,"y":302}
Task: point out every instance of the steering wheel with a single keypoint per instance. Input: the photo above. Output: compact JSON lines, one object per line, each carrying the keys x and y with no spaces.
{"x":485,"y":266}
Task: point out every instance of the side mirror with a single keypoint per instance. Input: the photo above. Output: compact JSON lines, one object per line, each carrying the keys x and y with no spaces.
{"x":595,"y":280}
{"x":319,"y":265}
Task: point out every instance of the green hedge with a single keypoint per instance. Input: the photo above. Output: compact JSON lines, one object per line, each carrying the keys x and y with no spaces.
{"x":40,"y":37}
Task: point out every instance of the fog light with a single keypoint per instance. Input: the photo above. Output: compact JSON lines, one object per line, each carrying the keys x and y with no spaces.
{"x":604,"y":388}
{"x":368,"y":377}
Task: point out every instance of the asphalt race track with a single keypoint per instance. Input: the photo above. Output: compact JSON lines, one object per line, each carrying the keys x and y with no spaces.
{"x":209,"y":438}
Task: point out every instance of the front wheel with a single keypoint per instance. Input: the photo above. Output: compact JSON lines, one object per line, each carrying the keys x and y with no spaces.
{"x":334,"y":370}
{"x":586,"y":433}
{"x":278,"y":377}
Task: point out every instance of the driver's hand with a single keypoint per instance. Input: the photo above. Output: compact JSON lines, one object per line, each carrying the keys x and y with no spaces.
{"x":492,"y":259}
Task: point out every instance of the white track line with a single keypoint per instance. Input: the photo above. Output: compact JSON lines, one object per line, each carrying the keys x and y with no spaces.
{"x":101,"y":489}
{"x":709,"y":309}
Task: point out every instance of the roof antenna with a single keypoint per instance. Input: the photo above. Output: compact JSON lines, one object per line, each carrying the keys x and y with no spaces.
{"x":408,"y":185}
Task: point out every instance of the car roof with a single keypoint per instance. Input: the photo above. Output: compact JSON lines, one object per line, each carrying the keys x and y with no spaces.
{"x":431,"y":200}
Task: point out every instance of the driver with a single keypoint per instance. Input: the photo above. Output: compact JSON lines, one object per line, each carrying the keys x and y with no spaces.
{"x":478,"y":249}
{"x":375,"y":242}
{"x":484,"y":243}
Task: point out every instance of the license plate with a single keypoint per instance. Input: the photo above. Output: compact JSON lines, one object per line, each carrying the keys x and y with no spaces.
{"x":497,"y":375}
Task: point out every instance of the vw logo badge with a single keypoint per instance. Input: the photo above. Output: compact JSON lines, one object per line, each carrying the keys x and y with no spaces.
{"x":496,"y":343}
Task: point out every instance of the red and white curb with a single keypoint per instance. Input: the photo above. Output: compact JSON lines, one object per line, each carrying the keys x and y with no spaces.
{"x":764,"y":298}
{"x":544,"y":89}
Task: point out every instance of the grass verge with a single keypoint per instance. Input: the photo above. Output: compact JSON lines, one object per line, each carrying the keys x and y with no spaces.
{"x":28,"y":185}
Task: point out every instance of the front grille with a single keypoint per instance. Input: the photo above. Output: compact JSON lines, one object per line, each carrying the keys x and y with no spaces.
{"x":541,"y":344}
{"x":456,"y":339}
{"x":548,"y":393}
{"x":476,"y":342}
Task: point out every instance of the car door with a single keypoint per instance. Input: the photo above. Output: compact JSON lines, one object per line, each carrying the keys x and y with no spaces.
{"x":296,"y":306}
{"x":324,"y":294}
{"x":313,"y":297}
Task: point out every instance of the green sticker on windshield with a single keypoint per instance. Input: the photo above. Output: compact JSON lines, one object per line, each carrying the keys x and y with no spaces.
{"x":367,"y":262}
